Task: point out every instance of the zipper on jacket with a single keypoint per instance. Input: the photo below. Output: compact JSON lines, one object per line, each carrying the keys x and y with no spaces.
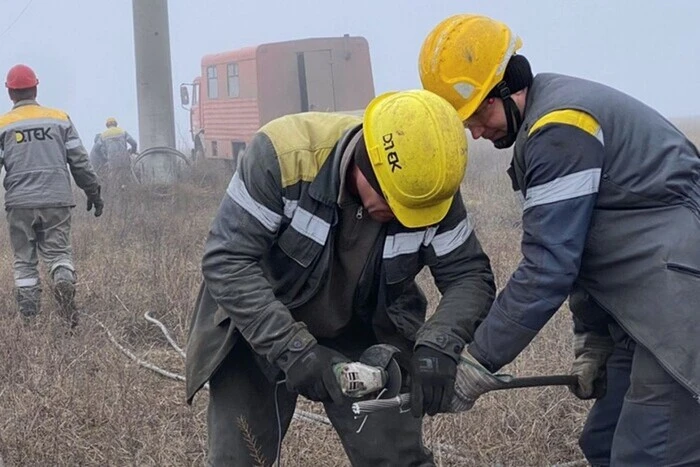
{"x":368,"y":268}
{"x":358,"y":214}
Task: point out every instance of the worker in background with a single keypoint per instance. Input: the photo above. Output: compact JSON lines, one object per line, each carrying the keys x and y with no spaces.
{"x":40,"y":149}
{"x":97,"y":157}
{"x":611,"y":218}
{"x":112,"y":152}
{"x":312,"y":258}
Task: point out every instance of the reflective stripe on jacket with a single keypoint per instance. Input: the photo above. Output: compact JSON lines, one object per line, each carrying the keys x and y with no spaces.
{"x":112,"y":147}
{"x":39,"y":146}
{"x":269,"y":249}
{"x":612,"y":207}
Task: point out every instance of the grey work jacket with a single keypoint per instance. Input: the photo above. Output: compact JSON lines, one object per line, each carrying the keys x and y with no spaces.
{"x":38,"y":147}
{"x":641,"y":259}
{"x":112,"y":148}
{"x":269,"y":249}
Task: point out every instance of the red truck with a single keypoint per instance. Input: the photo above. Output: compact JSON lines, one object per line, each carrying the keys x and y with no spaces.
{"x":241,"y":90}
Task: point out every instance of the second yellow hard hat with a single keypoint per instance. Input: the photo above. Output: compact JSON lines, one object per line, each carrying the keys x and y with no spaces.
{"x":464,"y":57}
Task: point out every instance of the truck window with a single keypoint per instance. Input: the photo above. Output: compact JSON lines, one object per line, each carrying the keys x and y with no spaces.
{"x":233,"y":83}
{"x":195,"y":94}
{"x":212,"y":83}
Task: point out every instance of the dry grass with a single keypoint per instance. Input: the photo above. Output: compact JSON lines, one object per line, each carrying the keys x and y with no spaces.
{"x":74,"y":400}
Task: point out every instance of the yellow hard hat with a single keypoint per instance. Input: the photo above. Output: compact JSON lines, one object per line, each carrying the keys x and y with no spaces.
{"x":418,"y":150}
{"x":464,"y":57}
{"x":111,"y":121}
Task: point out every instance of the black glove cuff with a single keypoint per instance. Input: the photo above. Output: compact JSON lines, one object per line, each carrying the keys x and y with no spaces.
{"x":447,"y":344}
{"x":291,"y":350}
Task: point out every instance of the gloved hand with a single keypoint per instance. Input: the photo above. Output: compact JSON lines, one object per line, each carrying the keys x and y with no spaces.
{"x":472,"y":381}
{"x":432,"y":381}
{"x":592,"y":352}
{"x":94,"y":199}
{"x":311,"y":375}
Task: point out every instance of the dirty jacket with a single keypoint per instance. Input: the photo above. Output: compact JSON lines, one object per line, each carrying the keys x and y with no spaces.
{"x":38,"y":147}
{"x":112,"y":148}
{"x":611,"y":207}
{"x":269,"y":249}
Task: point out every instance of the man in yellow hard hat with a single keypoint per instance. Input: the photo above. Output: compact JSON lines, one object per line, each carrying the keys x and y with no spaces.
{"x":611,"y":219}
{"x":312,"y":259}
{"x":112,"y":151}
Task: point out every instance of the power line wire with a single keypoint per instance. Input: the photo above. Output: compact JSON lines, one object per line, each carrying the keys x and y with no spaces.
{"x":16,"y":19}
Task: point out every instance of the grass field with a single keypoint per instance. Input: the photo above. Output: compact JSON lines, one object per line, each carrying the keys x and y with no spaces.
{"x":75,"y":400}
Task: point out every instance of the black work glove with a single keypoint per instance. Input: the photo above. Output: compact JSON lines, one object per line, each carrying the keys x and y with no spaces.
{"x":432,"y":381}
{"x":94,"y":199}
{"x":312,"y":375}
{"x":592,"y":351}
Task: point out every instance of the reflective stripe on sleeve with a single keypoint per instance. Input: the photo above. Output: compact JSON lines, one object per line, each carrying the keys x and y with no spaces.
{"x":238,"y":192}
{"x":570,"y":186}
{"x":72,"y":144}
{"x":446,"y":242}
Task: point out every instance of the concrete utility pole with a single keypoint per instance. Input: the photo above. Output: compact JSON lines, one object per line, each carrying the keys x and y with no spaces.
{"x":154,"y":88}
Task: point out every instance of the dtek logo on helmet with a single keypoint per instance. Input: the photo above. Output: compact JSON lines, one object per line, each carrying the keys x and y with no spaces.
{"x":392,"y":157}
{"x":33,"y":134}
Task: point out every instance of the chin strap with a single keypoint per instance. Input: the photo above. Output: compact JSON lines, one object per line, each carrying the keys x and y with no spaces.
{"x":513,"y":117}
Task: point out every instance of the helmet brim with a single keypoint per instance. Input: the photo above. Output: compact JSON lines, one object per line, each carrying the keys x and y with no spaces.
{"x":415,"y":217}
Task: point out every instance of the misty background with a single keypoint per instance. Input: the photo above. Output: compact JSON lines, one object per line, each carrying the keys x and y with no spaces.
{"x":83,"y":51}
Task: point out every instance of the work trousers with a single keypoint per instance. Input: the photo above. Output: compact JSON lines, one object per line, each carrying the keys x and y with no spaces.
{"x":646,"y":418}
{"x":39,"y":232}
{"x":242,"y":421}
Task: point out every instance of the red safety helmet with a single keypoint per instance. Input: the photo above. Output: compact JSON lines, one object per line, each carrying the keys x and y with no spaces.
{"x":21,"y":77}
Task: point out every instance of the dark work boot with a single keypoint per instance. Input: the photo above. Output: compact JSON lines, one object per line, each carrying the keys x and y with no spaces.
{"x":28,"y":300}
{"x":64,"y":292}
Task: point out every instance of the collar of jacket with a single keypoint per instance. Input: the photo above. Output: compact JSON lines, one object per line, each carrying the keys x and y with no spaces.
{"x":25,"y":102}
{"x":515,"y":163}
{"x":326,"y":185}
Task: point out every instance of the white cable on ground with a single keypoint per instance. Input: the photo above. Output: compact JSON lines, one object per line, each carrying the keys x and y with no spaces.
{"x":166,"y":332}
{"x":298,"y":414}
{"x":139,"y":361}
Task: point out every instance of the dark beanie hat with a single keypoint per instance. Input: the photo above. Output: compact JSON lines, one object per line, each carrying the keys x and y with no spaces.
{"x":361,"y":159}
{"x":518,"y":76}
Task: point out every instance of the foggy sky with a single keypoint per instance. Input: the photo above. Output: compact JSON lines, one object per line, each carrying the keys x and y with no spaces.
{"x":83,"y":53}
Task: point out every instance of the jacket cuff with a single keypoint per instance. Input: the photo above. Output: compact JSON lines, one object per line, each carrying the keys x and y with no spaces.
{"x":449,"y":344}
{"x":288,"y":352}
{"x":480,"y":356}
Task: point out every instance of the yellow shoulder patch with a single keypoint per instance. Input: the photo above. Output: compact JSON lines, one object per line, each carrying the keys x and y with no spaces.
{"x":112,"y":131}
{"x":576,"y":118}
{"x":32,"y":112}
{"x":304,"y":141}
